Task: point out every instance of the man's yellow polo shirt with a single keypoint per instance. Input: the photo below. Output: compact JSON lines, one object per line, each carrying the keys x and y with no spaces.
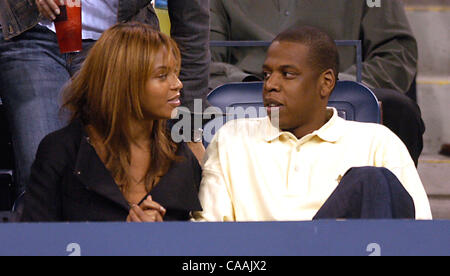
{"x":255,"y":172}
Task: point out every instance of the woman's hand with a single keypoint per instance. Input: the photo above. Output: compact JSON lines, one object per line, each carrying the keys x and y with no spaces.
{"x":148,"y":211}
{"x":49,"y":8}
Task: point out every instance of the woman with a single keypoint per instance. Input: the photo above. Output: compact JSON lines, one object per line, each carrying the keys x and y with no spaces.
{"x":116,"y":160}
{"x":33,"y":70}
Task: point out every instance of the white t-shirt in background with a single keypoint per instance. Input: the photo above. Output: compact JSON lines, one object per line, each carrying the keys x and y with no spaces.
{"x":97,"y":16}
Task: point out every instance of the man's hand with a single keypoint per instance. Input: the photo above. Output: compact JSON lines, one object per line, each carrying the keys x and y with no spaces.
{"x":148,"y":211}
{"x":49,"y":8}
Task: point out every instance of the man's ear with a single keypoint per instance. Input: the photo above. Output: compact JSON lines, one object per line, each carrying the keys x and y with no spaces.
{"x":327,"y":83}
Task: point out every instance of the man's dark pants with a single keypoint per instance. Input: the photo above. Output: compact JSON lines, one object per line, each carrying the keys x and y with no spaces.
{"x":368,"y":193}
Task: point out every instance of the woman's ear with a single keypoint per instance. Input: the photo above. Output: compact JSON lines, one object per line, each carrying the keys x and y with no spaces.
{"x":327,"y":82}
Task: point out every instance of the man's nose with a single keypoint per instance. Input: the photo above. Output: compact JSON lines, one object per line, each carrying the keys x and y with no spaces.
{"x":272,"y":84}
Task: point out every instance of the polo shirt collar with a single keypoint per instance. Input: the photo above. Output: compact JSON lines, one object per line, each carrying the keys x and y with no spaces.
{"x":330,"y":132}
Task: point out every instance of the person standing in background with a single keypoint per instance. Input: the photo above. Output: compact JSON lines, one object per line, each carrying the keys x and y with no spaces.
{"x":33,"y":71}
{"x":388,"y":45}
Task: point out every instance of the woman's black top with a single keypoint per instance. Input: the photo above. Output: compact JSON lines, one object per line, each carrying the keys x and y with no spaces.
{"x":69,"y":182}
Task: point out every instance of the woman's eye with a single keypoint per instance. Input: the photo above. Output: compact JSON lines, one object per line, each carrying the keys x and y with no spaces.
{"x":162,"y":76}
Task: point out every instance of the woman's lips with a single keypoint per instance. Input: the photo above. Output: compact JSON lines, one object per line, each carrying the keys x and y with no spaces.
{"x":175,"y":101}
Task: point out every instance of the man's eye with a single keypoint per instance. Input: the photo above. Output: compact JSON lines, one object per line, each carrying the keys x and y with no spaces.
{"x":266,"y":75}
{"x":289,"y":75}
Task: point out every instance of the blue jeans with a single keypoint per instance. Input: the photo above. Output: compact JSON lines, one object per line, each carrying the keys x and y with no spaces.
{"x":32,"y":75}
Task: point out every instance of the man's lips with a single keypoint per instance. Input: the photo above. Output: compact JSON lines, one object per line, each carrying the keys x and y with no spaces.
{"x":272,"y":104}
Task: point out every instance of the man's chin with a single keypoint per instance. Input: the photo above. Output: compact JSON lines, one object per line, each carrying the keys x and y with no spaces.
{"x":277,"y":122}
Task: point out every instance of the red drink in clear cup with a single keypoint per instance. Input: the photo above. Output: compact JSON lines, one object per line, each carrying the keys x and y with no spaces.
{"x":68,"y":27}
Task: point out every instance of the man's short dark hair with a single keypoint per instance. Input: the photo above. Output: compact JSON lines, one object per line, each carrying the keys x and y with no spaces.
{"x":323,"y":53}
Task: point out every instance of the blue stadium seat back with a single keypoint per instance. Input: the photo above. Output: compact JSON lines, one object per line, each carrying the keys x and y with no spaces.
{"x":229,"y":98}
{"x":238,"y":94}
{"x":353,"y":101}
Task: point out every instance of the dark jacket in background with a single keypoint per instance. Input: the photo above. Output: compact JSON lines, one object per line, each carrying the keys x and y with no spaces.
{"x":190,"y":29}
{"x":69,"y":182}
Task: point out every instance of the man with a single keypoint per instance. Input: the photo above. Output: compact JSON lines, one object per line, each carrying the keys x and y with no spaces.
{"x":33,"y":71}
{"x":313,"y":164}
{"x":389,"y":49}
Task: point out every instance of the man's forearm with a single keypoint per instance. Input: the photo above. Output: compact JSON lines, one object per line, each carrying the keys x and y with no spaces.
{"x":390,"y":49}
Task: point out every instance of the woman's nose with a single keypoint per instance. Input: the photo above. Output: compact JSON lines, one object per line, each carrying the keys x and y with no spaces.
{"x":176,"y":83}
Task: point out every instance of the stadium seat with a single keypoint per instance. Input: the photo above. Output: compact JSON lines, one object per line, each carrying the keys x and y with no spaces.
{"x":6,"y":164}
{"x":354,"y":101}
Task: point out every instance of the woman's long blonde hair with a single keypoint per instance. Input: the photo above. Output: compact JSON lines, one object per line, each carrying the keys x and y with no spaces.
{"x":105,"y":94}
